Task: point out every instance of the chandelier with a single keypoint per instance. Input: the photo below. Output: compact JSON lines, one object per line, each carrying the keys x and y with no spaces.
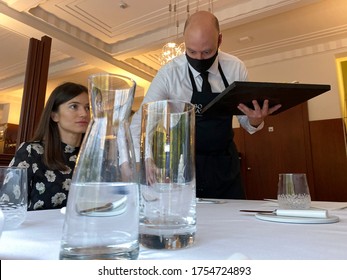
{"x":171,"y":49}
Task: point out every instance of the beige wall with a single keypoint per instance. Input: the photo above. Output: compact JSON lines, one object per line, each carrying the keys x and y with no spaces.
{"x":318,"y":68}
{"x":14,"y":99}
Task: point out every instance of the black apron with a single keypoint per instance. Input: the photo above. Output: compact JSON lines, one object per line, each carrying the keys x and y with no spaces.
{"x":217,"y":161}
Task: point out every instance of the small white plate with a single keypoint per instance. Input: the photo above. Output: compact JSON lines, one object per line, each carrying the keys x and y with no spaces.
{"x":296,"y":220}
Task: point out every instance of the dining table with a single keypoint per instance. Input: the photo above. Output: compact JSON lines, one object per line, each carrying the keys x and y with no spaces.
{"x":223,"y":233}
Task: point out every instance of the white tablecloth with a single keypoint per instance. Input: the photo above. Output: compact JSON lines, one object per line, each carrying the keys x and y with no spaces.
{"x":222,"y":233}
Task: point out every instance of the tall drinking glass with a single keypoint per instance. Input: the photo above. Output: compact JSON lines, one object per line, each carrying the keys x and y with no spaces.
{"x":168,"y":196}
{"x":13,"y":196}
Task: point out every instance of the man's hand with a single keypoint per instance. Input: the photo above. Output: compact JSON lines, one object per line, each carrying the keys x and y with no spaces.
{"x":151,"y":171}
{"x":258,"y":115}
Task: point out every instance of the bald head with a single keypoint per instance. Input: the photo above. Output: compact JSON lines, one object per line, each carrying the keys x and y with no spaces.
{"x":202,"y":35}
{"x":202,"y":18}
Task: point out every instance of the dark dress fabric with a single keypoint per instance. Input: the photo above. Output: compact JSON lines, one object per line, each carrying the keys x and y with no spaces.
{"x":47,"y":189}
{"x":217,"y":161}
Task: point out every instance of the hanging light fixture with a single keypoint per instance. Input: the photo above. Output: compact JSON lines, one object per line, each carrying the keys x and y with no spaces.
{"x":171,"y":49}
{"x":210,"y":6}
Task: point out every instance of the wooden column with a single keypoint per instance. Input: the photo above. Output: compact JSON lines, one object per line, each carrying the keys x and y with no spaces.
{"x":35,"y":84}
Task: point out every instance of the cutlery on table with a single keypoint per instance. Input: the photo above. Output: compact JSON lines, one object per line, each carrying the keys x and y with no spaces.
{"x":293,"y":213}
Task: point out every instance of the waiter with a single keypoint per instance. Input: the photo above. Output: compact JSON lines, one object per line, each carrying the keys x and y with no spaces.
{"x":198,"y":76}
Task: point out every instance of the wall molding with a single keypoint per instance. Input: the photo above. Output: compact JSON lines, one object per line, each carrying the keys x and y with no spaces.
{"x":312,"y":43}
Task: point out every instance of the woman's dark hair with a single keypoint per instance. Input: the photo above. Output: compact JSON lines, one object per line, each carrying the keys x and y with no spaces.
{"x":47,"y":130}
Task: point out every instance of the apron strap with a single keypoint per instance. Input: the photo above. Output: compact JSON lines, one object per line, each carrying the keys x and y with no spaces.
{"x":192,"y":80}
{"x":226,"y":84}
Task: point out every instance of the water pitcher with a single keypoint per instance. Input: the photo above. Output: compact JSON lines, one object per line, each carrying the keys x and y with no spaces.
{"x":102,"y":213}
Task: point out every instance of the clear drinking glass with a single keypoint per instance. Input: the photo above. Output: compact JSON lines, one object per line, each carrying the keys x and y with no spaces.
{"x":168,"y":191}
{"x":102,"y":214}
{"x":293,"y":191}
{"x":13,"y":196}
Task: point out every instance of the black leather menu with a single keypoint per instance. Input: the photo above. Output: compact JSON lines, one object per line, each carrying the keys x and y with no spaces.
{"x":286,"y":94}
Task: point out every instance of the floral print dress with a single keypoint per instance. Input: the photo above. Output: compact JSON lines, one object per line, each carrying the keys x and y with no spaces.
{"x":47,"y":189}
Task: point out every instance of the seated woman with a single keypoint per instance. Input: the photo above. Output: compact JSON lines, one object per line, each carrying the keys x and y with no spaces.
{"x":50,"y":156}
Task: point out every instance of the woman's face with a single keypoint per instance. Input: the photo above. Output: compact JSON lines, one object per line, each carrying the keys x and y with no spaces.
{"x":73,"y":116}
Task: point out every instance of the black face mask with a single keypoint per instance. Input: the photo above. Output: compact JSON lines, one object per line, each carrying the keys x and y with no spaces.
{"x":201,"y":65}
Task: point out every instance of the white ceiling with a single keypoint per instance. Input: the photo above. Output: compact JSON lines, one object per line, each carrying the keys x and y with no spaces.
{"x":90,"y":36}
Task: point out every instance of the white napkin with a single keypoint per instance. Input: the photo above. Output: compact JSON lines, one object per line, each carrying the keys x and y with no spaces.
{"x":326,"y":205}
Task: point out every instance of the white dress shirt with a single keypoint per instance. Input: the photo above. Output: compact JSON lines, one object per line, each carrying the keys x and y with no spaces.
{"x":172,"y":82}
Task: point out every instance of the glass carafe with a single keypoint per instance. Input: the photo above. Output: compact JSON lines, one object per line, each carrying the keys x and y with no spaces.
{"x":102,"y":213}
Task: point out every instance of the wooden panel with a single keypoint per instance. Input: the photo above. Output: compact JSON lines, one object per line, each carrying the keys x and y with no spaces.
{"x":279,"y":148}
{"x":325,"y":150}
{"x":35,"y":83}
{"x":329,"y":159}
{"x":33,"y":99}
{"x":239,"y":141}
